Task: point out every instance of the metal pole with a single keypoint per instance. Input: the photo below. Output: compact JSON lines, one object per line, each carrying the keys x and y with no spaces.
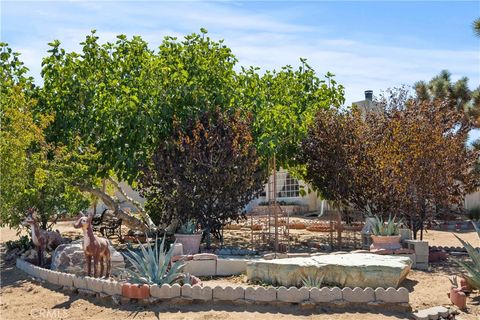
{"x":275,"y":201}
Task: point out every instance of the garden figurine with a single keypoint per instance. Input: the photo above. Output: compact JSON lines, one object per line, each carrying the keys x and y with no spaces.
{"x":42,"y":239}
{"x":94,"y":247}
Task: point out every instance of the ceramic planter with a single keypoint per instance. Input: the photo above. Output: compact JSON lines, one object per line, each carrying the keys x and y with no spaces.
{"x":386,"y":242}
{"x":190,"y":242}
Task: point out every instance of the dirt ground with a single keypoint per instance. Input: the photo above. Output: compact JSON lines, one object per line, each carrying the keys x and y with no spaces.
{"x":23,"y":298}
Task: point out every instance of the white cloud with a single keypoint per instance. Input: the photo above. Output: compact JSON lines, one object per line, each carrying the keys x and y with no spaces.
{"x":268,"y":40}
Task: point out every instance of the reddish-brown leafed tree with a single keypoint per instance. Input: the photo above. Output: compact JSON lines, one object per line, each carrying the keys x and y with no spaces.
{"x":208,"y":171}
{"x":407,"y":159}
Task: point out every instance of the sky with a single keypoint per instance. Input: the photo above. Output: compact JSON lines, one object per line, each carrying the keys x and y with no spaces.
{"x":367,"y":45}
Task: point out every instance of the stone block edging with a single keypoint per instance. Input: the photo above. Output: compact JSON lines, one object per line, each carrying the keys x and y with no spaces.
{"x":227,"y":293}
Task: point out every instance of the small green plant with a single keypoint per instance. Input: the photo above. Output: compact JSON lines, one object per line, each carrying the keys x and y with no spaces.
{"x":453,"y":281}
{"x":152,"y":264}
{"x":388,"y":228}
{"x":23,"y":244}
{"x":312,"y":282}
{"x":473,"y":267}
{"x":189,"y":227}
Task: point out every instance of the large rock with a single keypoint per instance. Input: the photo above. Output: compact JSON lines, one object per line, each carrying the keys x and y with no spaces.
{"x":344,"y":270}
{"x":71,"y":259}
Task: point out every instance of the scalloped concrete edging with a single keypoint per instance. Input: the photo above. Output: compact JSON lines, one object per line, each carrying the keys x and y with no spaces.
{"x":450,"y":249}
{"x":313,"y":296}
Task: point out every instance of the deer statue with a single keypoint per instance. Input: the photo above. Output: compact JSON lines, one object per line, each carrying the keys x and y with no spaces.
{"x":42,"y":239}
{"x":94,"y":247}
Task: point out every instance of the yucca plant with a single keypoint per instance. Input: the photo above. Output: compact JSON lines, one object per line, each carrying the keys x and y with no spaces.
{"x":312,"y":282}
{"x":473,"y":267}
{"x":152,"y":264}
{"x":390,"y":228}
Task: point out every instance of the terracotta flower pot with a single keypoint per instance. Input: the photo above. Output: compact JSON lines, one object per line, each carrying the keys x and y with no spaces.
{"x":135,"y":291}
{"x":385,"y":242}
{"x":190,"y":242}
{"x":458,"y":298}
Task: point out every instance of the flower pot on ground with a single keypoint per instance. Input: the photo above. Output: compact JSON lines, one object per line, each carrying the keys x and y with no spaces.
{"x":385,"y":235}
{"x":458,"y":298}
{"x":189,"y":237}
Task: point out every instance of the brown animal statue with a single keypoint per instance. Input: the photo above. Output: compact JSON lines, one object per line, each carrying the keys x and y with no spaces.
{"x":94,"y":247}
{"x":42,"y":239}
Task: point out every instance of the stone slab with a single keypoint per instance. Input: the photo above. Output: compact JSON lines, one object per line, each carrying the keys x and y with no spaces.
{"x":201,"y":268}
{"x":431,"y":313}
{"x":227,"y":267}
{"x":343,"y":270}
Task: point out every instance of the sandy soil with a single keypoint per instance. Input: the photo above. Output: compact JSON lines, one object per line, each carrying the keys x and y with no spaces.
{"x":23,"y":298}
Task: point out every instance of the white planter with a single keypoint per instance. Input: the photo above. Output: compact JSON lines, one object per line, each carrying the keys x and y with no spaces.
{"x":190,"y":242}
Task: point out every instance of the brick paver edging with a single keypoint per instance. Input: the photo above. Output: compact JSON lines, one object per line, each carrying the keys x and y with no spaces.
{"x":325,"y":295}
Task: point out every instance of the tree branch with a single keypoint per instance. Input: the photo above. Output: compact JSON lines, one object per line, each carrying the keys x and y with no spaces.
{"x":135,"y":203}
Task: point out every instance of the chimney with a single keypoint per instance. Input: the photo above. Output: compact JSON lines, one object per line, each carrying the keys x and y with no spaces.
{"x":368,"y":95}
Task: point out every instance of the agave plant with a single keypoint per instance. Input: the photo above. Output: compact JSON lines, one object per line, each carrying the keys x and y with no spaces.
{"x":312,"y":282}
{"x":390,"y":228}
{"x":472,"y":268}
{"x":188,"y":227}
{"x":152,"y":264}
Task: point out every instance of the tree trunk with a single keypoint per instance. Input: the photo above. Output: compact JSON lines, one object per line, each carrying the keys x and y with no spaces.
{"x":136,"y":204}
{"x":130,"y":221}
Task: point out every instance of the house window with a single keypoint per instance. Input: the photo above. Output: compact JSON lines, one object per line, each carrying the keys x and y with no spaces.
{"x":289,"y":186}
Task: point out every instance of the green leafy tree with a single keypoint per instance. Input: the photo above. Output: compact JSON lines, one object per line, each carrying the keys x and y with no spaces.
{"x":121,"y":98}
{"x":284,"y":104}
{"x":27,"y":176}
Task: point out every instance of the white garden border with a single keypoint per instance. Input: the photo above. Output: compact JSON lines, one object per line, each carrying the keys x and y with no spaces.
{"x":282,"y":294}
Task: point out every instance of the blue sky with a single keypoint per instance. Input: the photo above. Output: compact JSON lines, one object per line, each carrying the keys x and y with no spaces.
{"x":367,"y":45}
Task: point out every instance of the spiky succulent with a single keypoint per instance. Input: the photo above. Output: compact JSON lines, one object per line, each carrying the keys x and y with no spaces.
{"x":388,"y":228}
{"x":473,"y":267}
{"x":312,"y":282}
{"x":189,"y":227}
{"x":152,"y":264}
